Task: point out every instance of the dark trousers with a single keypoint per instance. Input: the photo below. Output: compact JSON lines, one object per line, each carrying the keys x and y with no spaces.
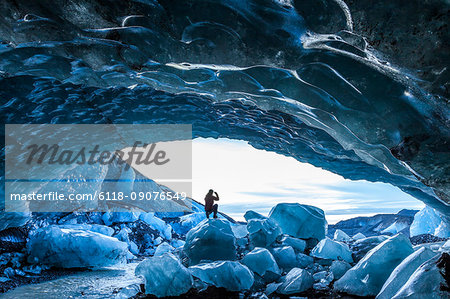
{"x":213,"y":210}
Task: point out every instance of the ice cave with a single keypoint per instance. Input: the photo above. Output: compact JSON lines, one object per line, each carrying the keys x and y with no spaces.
{"x":359,"y":89}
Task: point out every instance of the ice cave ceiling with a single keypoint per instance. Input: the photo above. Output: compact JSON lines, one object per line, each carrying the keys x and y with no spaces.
{"x":287,"y":76}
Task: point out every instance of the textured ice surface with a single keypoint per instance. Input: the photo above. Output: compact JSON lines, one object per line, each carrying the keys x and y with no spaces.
{"x":253,"y":215}
{"x":299,"y":245}
{"x":224,"y":274}
{"x":263,"y":76}
{"x":296,"y":281}
{"x":429,"y":221}
{"x":163,"y":248}
{"x":304,"y":260}
{"x":358,"y":236}
{"x":300,"y":221}
{"x":263,"y":232}
{"x":119,"y":217}
{"x":371,"y":272}
{"x":395,"y":228}
{"x":285,"y":257}
{"x":261,"y":261}
{"x":10,"y":219}
{"x":97,"y":228}
{"x":425,"y":282}
{"x":239,"y":230}
{"x":404,"y":271}
{"x":338,"y":268}
{"x":332,"y":250}
{"x":74,"y":248}
{"x":165,"y":276}
{"x":210,"y":240}
{"x":339,"y":235}
{"x":187,"y":222}
{"x":157,"y":224}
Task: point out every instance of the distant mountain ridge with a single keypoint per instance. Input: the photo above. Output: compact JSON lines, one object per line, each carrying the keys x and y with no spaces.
{"x":378,"y":224}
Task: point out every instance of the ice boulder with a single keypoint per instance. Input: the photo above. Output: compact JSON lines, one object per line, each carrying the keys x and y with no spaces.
{"x":358,"y":236}
{"x":13,"y":219}
{"x":163,"y":248}
{"x":239,"y":230}
{"x":263,"y":232}
{"x":332,"y":250}
{"x":75,"y":248}
{"x":340,"y":236}
{"x":427,"y":281}
{"x":403,"y":272}
{"x":230,"y":275}
{"x":96,"y":228}
{"x":119,"y":217}
{"x":362,"y":246}
{"x":367,"y":277}
{"x":304,"y":260}
{"x":285,"y":257}
{"x":339,"y":268}
{"x":165,"y":276}
{"x":253,"y":215}
{"x":157,"y":224}
{"x":425,"y":222}
{"x":300,"y":221}
{"x":188,"y":222}
{"x":262,"y":262}
{"x":443,"y":230}
{"x":210,"y":240}
{"x":296,"y":281}
{"x":299,"y":245}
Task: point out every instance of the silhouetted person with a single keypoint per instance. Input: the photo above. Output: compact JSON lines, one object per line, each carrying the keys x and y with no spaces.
{"x":210,"y":207}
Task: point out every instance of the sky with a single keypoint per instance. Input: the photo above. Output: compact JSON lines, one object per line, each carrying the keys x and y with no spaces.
{"x":251,"y":179}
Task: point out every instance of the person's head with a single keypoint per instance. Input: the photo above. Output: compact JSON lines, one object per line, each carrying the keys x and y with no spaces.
{"x":210,"y":192}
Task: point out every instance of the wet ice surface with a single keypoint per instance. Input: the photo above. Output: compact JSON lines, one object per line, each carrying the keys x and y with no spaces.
{"x":93,"y":284}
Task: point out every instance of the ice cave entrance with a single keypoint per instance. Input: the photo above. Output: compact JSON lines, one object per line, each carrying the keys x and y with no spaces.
{"x":251,"y":179}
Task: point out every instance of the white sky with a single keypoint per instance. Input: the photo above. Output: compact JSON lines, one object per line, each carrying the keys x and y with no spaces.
{"x":250,"y":179}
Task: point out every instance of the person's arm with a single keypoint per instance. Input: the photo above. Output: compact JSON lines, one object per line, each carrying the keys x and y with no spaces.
{"x":217,"y":196}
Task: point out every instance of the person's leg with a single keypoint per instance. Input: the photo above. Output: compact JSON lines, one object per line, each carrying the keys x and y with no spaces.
{"x":215,"y":207}
{"x":207,"y":214}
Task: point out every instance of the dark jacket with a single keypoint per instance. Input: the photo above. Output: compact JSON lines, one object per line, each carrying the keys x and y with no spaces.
{"x":209,"y":201}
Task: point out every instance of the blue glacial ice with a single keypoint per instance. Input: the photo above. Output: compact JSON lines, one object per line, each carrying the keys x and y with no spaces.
{"x":285,"y":257}
{"x":339,"y":268}
{"x":425,"y":282}
{"x":119,"y":217}
{"x":210,"y":240}
{"x":96,"y":228}
{"x":157,"y":224}
{"x":367,"y":277}
{"x":332,"y":250}
{"x":263,"y":232}
{"x":262,"y":262}
{"x":165,"y":276}
{"x":163,"y":248}
{"x":429,"y":221}
{"x":358,"y":236}
{"x":298,"y":245}
{"x":300,"y":221}
{"x":230,"y":275}
{"x":339,"y":235}
{"x":296,"y":281}
{"x":253,"y":215}
{"x":75,"y":248}
{"x":404,"y":271}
